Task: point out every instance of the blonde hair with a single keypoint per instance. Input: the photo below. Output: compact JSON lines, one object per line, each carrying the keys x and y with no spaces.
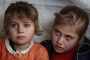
{"x":73,"y":16}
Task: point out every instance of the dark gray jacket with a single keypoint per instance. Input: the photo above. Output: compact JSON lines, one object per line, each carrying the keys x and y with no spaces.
{"x":83,"y":52}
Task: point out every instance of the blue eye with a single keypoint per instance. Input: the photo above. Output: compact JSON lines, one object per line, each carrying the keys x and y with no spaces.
{"x":13,"y":25}
{"x":27,"y":25}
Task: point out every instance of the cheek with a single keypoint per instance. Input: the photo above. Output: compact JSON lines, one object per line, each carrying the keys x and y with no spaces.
{"x":11,"y":32}
{"x":71,"y":45}
{"x":54,"y":38}
{"x":30,"y":32}
{"x":30,"y":36}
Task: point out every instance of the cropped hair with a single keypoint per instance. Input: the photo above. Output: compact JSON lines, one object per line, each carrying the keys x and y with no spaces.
{"x":73,"y":16}
{"x":21,"y":10}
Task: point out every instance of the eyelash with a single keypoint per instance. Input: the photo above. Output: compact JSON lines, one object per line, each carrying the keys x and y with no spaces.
{"x":16,"y":25}
{"x":27,"y":25}
{"x":68,"y":38}
{"x":57,"y":33}
{"x":13,"y":25}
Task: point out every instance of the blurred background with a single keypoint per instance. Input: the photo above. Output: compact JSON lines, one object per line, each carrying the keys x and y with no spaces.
{"x":46,"y":10}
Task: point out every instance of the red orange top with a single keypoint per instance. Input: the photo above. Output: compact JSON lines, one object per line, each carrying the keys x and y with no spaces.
{"x":36,"y":52}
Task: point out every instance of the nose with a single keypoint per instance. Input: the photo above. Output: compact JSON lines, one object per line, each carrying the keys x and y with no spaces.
{"x":60,"y":40}
{"x":20,"y":29}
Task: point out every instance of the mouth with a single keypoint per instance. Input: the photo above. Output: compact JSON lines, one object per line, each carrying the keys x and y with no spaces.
{"x":21,"y":37}
{"x":59,"y":48}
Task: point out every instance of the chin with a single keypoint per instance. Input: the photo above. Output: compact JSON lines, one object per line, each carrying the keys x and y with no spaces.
{"x":58,"y":51}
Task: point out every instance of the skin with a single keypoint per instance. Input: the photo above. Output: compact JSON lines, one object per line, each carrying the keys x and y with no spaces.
{"x":21,"y":33}
{"x":64,"y":38}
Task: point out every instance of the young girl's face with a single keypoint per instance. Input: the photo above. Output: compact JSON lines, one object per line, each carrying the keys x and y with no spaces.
{"x":21,"y":32}
{"x":64,"y":38}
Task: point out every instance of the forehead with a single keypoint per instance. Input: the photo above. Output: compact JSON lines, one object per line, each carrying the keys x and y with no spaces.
{"x":21,"y":20}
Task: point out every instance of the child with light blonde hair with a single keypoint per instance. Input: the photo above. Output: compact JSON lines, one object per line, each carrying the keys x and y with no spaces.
{"x":68,"y":35}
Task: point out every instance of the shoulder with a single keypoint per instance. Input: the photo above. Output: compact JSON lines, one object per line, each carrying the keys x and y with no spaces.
{"x":46,"y":42}
{"x":86,"y":40}
{"x":48,"y":45}
{"x":84,"y":50}
{"x":85,"y":46}
{"x":37,"y":46}
{"x":2,"y":46}
{"x":2,"y":41}
{"x":39,"y":51}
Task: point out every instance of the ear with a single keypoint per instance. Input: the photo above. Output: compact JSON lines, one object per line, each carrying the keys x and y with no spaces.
{"x":81,"y":39}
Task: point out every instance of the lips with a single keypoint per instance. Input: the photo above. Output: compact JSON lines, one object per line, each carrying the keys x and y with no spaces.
{"x":21,"y":37}
{"x":59,"y":48}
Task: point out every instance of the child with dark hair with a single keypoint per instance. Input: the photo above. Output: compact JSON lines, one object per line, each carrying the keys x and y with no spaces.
{"x":20,"y":25}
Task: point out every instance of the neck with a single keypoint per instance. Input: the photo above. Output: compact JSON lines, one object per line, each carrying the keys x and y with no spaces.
{"x":21,"y":47}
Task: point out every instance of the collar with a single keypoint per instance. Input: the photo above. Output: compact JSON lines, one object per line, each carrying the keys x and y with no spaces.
{"x":12,"y":51}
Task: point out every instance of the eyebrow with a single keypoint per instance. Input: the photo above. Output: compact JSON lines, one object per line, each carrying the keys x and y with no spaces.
{"x":28,"y":22}
{"x":12,"y":22}
{"x":23,"y":22}
{"x":56,"y":29}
